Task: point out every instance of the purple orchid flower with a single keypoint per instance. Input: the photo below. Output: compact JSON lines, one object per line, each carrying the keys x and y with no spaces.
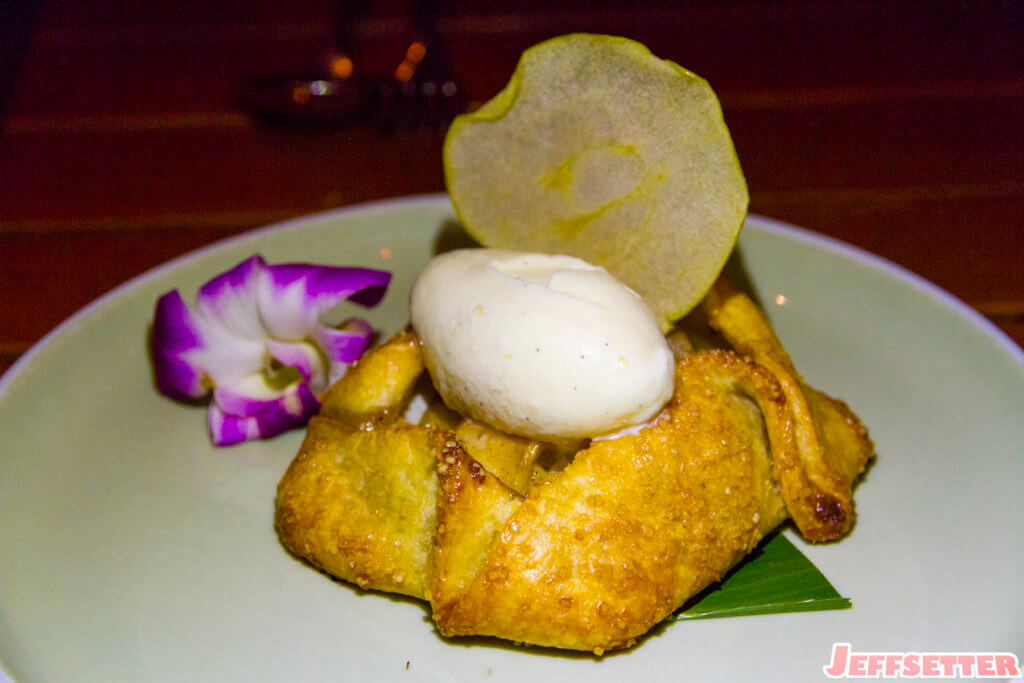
{"x":255,"y":339}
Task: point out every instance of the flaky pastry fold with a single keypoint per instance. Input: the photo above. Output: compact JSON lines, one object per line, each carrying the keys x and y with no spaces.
{"x":833,"y":446}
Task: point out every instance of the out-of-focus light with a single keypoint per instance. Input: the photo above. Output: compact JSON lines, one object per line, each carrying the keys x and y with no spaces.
{"x":341,"y":66}
{"x":416,"y":52}
{"x":780,"y":300}
{"x":300,"y":94}
{"x":319,"y":88}
{"x":404,"y":71}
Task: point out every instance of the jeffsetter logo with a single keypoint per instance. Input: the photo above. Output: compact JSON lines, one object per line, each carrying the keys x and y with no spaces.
{"x":849,"y":664}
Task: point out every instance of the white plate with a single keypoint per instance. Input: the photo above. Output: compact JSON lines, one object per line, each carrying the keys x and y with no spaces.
{"x":133,"y":550}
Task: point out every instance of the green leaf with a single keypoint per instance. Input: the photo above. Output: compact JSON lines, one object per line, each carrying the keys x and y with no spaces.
{"x":775,"y":578}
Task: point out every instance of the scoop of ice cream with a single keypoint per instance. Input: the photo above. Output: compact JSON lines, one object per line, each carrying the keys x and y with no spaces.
{"x":549,"y":347}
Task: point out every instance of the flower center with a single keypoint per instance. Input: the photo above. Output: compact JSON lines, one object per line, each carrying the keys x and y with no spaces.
{"x":280,"y":376}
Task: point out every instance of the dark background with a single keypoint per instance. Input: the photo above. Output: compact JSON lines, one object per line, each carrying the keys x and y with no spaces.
{"x":898,"y":127}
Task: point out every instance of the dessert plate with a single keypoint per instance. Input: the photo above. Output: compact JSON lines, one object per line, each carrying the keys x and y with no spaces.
{"x":131,"y":549}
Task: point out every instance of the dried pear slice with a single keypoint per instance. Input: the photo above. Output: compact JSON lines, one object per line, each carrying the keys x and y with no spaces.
{"x":598,"y":149}
{"x":508,"y":457}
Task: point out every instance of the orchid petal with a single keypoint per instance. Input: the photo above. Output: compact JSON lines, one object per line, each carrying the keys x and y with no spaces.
{"x":257,"y":398}
{"x":175,"y":333}
{"x":226,"y":361}
{"x":228,"y":326}
{"x":293,"y":296}
{"x":259,"y":419}
{"x":343,"y":346}
{"x":228,"y":301}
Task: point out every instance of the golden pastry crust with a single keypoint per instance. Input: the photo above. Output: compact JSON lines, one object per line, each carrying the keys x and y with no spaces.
{"x":630,"y":530}
{"x":833,"y":446}
{"x":361,"y":505}
{"x":376,"y":388}
{"x":476,"y":507}
{"x":591,"y":557}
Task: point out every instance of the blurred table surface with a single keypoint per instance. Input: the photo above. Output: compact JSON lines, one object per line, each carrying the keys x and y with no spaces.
{"x":896,"y":127}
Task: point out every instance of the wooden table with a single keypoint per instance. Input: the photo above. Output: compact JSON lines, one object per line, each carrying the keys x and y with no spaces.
{"x":897,"y":127}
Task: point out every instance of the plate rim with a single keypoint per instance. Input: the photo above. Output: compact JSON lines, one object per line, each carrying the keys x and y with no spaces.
{"x":771,"y":225}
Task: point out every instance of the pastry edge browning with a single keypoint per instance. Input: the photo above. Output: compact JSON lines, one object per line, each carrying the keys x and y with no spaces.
{"x":585,"y":563}
{"x":833,"y":444}
{"x":359,"y":504}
